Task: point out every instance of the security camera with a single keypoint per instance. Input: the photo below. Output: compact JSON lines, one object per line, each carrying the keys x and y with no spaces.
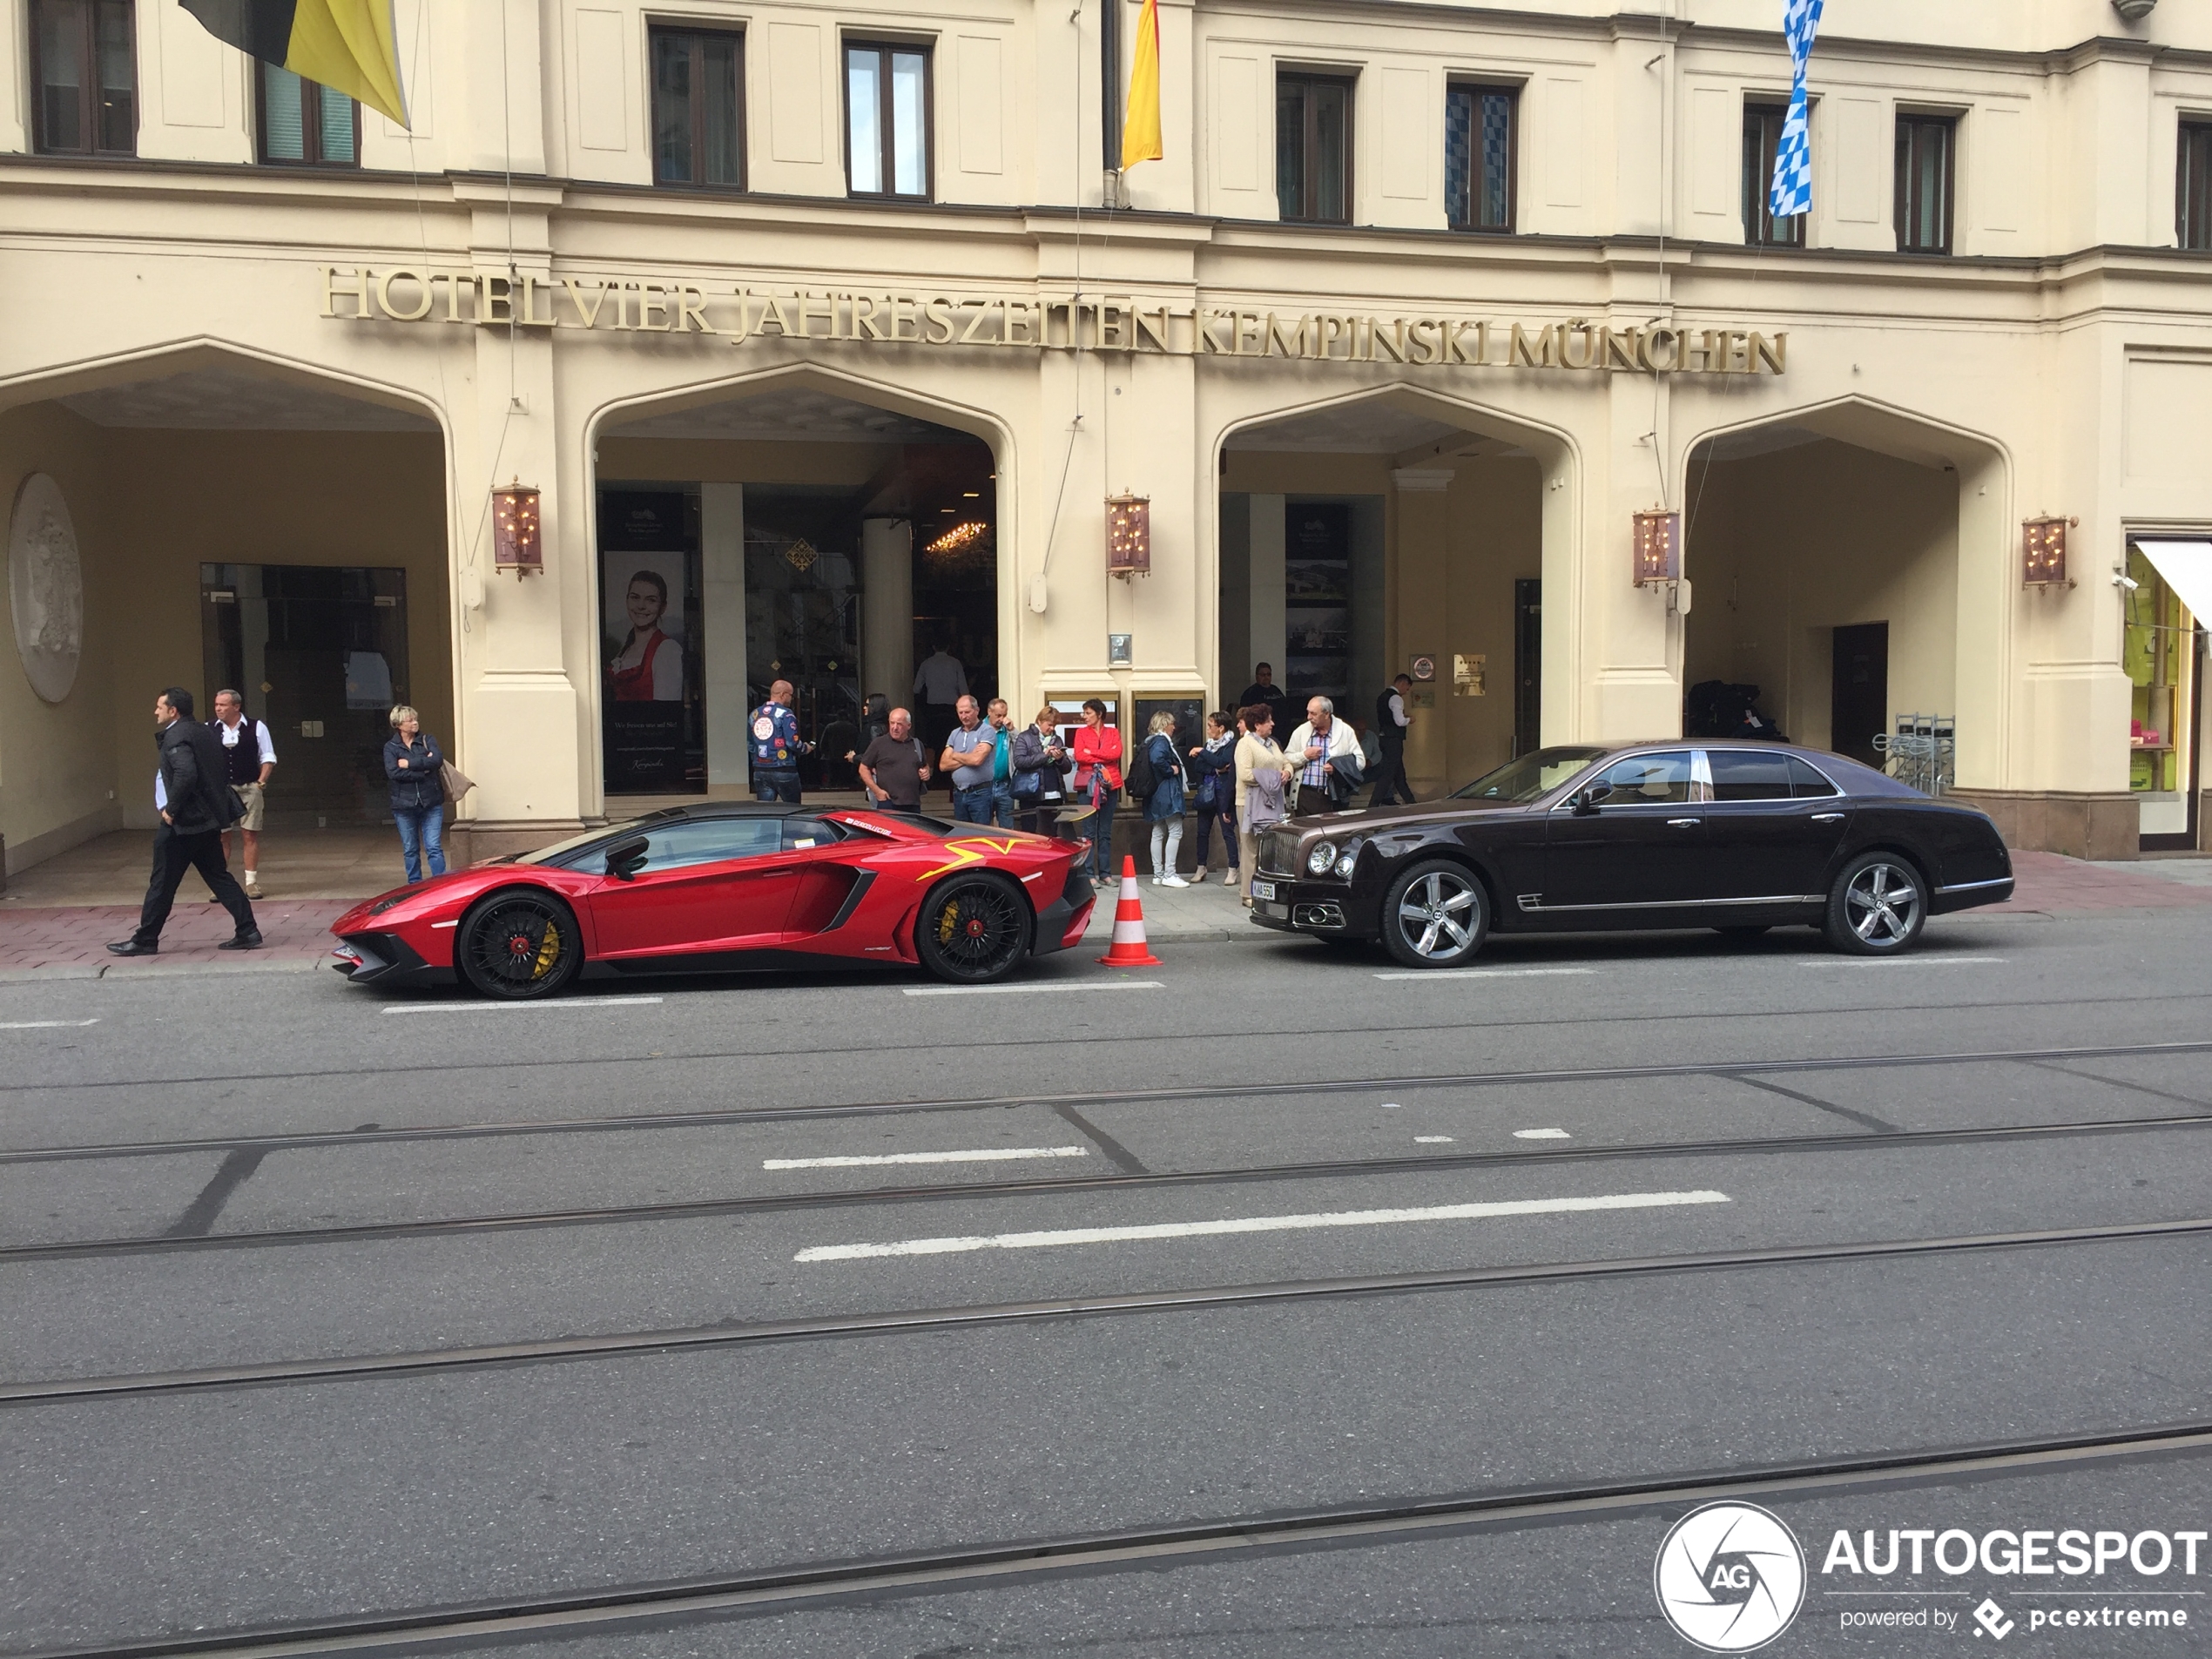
{"x":2122,"y":579}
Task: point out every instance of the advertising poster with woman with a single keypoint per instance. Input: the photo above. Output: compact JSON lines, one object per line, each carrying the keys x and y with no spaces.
{"x":648,"y":653}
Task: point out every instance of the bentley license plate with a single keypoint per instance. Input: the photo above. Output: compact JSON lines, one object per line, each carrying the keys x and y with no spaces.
{"x":1262,"y":889}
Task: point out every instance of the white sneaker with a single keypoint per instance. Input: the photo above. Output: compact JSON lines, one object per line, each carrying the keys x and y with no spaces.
{"x":1173,"y":881}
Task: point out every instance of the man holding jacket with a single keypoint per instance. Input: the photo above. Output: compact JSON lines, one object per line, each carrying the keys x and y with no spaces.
{"x":196,"y":806}
{"x":1328,"y":760}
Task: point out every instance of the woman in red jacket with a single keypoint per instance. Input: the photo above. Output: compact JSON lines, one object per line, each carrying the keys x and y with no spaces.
{"x":1098,"y":779}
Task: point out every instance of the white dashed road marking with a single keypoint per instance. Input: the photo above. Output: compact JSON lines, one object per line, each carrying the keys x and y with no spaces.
{"x":1260,"y":1225}
{"x":991,"y":1155}
{"x":1432,"y":1140}
{"x":42,"y":1025}
{"x":1541,"y":1134}
{"x":1892,"y":961}
{"x":1022,"y":990}
{"x":555,"y":1003}
{"x":1484,"y":973}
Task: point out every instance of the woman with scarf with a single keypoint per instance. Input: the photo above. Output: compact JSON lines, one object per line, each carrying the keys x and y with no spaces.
{"x":1214,"y":765}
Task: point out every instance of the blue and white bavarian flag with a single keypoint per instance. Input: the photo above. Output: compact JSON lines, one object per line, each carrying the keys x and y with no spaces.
{"x":1792,"y":193}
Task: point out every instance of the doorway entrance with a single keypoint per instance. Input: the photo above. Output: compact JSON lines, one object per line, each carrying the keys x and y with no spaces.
{"x":1859,"y":705}
{"x":320,"y":653}
{"x":1528,"y":665}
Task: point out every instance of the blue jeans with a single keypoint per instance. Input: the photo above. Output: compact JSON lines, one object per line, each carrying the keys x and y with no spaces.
{"x":1208,"y":817}
{"x":776,"y":785}
{"x":421,"y":830}
{"x":1002,"y":804}
{"x":1099,"y":827}
{"x":972,"y":805}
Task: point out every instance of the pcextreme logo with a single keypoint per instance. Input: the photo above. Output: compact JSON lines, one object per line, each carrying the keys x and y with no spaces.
{"x":1730,"y":1577}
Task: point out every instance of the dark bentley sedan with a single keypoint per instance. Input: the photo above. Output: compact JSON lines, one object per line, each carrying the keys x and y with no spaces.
{"x":1739,"y":837}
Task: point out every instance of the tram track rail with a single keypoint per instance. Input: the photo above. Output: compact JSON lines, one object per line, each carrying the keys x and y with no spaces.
{"x":1061,"y":1042}
{"x":710,"y":1117}
{"x":724,"y":1336}
{"x":862,"y":1197}
{"x":709,"y":1598}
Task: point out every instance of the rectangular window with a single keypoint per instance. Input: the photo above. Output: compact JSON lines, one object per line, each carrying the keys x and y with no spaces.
{"x":887,"y":120}
{"x":698,"y":109}
{"x":1762,"y":138}
{"x":1481,"y":140}
{"x":2193,"y":187}
{"x":305,"y":125}
{"x":85,"y":65}
{"x":1313,"y":149}
{"x":1926,"y":144}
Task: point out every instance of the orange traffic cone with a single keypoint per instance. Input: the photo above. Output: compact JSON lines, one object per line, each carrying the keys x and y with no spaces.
{"x":1129,"y":949}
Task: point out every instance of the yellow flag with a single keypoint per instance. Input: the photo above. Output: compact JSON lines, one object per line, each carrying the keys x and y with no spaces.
{"x":1141,"y":126}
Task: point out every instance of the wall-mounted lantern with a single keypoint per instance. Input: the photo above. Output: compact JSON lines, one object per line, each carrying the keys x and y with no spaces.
{"x":1129,"y":535}
{"x":1657,"y":547}
{"x":515,"y":542}
{"x":2043,"y":552}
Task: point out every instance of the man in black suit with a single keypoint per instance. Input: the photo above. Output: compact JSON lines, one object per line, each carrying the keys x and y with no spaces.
{"x":196,"y":806}
{"x":1264,"y":689}
{"x":1391,"y":718}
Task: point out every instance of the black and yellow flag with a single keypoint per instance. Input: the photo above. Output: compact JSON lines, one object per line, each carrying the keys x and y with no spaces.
{"x":350,"y":45}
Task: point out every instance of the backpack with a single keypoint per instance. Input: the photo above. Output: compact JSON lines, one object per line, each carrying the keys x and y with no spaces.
{"x":1140,"y":779}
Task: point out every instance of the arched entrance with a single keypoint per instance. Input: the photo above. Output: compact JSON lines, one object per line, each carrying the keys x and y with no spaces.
{"x":1396,"y":532}
{"x":239,"y":523}
{"x":792,"y":530}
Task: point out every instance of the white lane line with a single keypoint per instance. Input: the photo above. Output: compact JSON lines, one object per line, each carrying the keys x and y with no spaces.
{"x":42,"y":1025}
{"x":557,"y":1002}
{"x":991,"y":1155}
{"x":1916,"y":961}
{"x":1485,"y":973}
{"x":1026,"y":990}
{"x":1260,"y":1225}
{"x":1432,"y":1140}
{"x":1541,"y":1135}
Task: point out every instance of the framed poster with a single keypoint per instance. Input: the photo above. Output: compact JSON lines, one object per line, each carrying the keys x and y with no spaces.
{"x":1317,"y":600}
{"x":653,"y":739}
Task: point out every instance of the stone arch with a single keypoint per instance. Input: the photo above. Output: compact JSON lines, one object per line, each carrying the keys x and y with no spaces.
{"x":1967,"y":575}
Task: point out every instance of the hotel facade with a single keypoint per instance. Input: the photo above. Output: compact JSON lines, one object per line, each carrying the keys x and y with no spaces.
{"x":820,"y":337}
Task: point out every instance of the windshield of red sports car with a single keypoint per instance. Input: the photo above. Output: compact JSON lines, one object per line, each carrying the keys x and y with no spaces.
{"x":1532,"y":777}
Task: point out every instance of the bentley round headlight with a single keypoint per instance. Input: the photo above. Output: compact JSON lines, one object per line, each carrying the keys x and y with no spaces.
{"x":1318,"y":861}
{"x":1346,"y":859}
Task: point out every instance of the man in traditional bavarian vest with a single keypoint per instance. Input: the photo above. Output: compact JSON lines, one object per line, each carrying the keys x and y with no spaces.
{"x":776,"y":746}
{"x":248,"y":758}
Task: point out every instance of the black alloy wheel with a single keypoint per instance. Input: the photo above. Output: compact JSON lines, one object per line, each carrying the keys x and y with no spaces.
{"x":973,"y":929}
{"x":1878,"y":907}
{"x":1436,"y":914}
{"x":521,"y":943}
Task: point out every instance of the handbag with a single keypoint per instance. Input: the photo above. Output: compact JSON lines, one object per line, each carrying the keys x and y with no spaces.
{"x":453,"y":782}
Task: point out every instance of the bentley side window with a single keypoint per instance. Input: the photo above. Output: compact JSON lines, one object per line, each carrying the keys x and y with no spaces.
{"x":1644,"y":780}
{"x":1744,"y":775}
{"x":1808,"y":782}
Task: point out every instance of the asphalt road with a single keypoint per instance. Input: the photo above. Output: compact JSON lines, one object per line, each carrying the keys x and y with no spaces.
{"x":1270,"y":1302}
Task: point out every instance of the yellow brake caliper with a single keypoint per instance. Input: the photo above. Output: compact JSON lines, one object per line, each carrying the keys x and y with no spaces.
{"x":949,"y":924}
{"x":549,"y":952}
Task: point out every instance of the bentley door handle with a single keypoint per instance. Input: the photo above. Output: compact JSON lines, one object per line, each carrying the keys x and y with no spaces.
{"x":1827,"y":818}
{"x":1683,"y":823}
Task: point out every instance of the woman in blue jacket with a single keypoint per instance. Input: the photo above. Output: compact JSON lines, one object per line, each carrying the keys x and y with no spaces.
{"x":415,"y":767}
{"x":1213,"y":766}
{"x":1164,"y":807}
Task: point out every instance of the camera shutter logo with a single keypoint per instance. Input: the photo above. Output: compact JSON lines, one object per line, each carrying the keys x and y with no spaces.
{"x":1730,"y":1577}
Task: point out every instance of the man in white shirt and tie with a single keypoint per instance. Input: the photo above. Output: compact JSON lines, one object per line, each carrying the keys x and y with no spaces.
{"x":940,"y":683}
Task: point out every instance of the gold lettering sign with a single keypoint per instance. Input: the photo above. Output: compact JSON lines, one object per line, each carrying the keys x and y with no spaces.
{"x":742,"y":315}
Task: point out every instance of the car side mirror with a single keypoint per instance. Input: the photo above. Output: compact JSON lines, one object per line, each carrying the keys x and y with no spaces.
{"x":1585,"y":802}
{"x":624,"y":861}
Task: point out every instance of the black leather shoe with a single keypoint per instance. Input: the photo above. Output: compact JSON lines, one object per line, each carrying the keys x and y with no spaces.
{"x":132,"y":947}
{"x":250,"y":940}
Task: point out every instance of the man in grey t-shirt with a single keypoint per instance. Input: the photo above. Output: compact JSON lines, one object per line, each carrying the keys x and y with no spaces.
{"x":969,"y":755}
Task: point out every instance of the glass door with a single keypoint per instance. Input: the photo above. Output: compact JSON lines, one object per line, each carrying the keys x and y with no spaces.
{"x":2160,"y":650}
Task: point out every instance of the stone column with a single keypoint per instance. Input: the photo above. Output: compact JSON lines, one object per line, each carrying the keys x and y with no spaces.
{"x":1424,"y":549}
{"x":887,"y":609}
{"x":722,"y":560}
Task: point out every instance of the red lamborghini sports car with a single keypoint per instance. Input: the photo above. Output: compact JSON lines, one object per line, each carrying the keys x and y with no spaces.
{"x":722,"y":886}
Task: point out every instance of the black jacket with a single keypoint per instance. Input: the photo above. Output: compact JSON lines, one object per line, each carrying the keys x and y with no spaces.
{"x":420,"y":783}
{"x":191,"y":779}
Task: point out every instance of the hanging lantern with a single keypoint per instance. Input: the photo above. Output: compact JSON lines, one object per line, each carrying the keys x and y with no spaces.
{"x":1129,"y":535}
{"x":2043,"y":552}
{"x":515,"y":543}
{"x":1658,"y":547}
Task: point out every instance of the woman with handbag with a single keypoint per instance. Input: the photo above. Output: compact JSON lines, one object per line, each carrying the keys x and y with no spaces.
{"x":1039,"y":767}
{"x":415,"y":767}
{"x":1214,"y":763}
{"x":1262,"y":771}
{"x":1098,"y":781}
